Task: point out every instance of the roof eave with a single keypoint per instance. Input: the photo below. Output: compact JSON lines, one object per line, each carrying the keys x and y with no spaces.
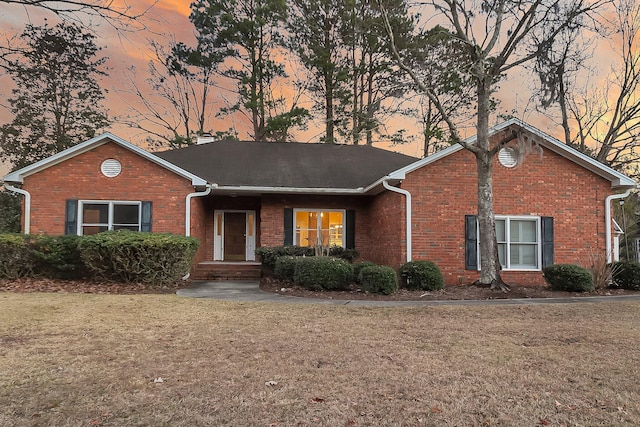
{"x":239,"y":189}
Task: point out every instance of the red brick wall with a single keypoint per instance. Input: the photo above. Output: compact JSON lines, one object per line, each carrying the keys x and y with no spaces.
{"x":80,"y":178}
{"x":387,"y":230}
{"x":445,"y":191}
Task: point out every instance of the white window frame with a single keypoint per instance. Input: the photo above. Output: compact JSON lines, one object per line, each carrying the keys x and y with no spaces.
{"x":319,"y":228}
{"x":507,"y":242}
{"x":111,"y":203}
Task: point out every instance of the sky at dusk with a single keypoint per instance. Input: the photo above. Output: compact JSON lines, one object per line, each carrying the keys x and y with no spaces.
{"x":170,"y":17}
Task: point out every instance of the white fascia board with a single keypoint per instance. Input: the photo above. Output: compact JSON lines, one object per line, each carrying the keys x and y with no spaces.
{"x":19,"y":175}
{"x":401,"y":173}
{"x":290,"y":190}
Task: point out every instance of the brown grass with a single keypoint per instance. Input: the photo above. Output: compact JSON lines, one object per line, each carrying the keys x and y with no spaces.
{"x":82,"y":360}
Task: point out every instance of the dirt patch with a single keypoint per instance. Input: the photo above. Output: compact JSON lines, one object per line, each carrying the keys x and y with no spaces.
{"x":458,"y":292}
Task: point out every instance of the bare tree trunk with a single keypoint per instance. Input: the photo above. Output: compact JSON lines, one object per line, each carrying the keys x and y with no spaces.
{"x":489,"y":265}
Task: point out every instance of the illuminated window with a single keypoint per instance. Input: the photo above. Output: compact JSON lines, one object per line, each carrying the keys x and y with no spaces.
{"x":96,"y":217}
{"x":319,"y":228}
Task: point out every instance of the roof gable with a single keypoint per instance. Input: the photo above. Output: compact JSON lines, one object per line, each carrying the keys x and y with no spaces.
{"x":617,"y":179}
{"x":19,"y":175}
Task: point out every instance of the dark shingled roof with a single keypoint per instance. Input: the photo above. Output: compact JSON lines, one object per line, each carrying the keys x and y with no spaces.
{"x":293,"y":165}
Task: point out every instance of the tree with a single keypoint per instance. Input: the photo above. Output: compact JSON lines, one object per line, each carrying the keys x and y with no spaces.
{"x":498,"y":36}
{"x":606,"y":117}
{"x":315,"y":27}
{"x":377,"y":87}
{"x":57,"y":100}
{"x":177,"y":103}
{"x":248,"y":33}
{"x":10,"y":209}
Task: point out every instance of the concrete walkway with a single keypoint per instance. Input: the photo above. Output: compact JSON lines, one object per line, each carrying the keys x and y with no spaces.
{"x":250,"y":292}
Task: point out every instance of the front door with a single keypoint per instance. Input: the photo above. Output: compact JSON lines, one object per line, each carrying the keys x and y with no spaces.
{"x":234,"y":235}
{"x":235,"y":239}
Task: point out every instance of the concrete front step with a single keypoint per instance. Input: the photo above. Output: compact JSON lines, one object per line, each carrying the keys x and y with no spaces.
{"x":220,"y":270}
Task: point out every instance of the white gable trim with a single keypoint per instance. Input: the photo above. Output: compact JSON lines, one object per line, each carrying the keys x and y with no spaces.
{"x":19,"y":175}
{"x":618,"y":180}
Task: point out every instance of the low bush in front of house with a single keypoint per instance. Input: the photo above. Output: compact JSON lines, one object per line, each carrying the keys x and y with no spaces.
{"x":568,"y":277}
{"x":318,"y":273}
{"x":39,"y":256}
{"x":57,"y":256}
{"x":15,"y":257}
{"x":421,"y":275}
{"x":626,"y":275}
{"x":270,"y":254}
{"x":379,"y":279}
{"x":357,"y":268}
{"x":130,"y":256}
{"x":285,"y":267}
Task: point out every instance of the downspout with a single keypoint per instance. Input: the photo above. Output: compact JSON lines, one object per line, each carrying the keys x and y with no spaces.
{"x":607,"y":219}
{"x":408,"y":213}
{"x":187,"y":218}
{"x":27,"y":205}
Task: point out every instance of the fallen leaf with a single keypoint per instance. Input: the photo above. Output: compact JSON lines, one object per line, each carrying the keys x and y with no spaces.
{"x":435,"y":410}
{"x":543,"y":422}
{"x":318,"y":399}
{"x":271,"y":383}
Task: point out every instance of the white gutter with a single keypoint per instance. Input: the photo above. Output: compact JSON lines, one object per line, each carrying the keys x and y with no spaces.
{"x":187,"y":211}
{"x":408,"y":212}
{"x":295,"y":190}
{"x":27,"y":205}
{"x":607,"y":220}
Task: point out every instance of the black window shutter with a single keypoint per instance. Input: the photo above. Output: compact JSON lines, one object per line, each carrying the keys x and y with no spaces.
{"x":288,"y":226}
{"x":547,"y":241}
{"x":71,"y":217}
{"x":470,"y":242}
{"x":145,"y":225}
{"x":350,"y":229}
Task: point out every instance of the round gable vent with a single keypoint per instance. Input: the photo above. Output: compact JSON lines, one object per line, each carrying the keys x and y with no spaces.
{"x":508,"y":157}
{"x":111,"y":168}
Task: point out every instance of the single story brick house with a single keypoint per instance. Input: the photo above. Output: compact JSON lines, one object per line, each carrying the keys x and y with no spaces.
{"x":234,"y":196}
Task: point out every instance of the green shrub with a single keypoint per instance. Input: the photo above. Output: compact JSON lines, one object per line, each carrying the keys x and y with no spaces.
{"x":131,"y":256}
{"x":422,"y":275}
{"x":317,"y":273}
{"x":626,"y":275}
{"x":568,"y":277}
{"x":357,"y":268}
{"x":379,"y":279}
{"x":270,"y":254}
{"x":346,"y":254}
{"x":56,"y":256}
{"x":285,"y":267}
{"x":15,"y":257}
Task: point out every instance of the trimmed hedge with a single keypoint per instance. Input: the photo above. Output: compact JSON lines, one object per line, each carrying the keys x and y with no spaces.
{"x":569,"y":277}
{"x":131,"y":256}
{"x":626,"y":275}
{"x":317,"y":273}
{"x":285,"y":267}
{"x":15,"y":257}
{"x":421,"y":275}
{"x":57,"y":256}
{"x":357,"y":268}
{"x":270,"y":254}
{"x":379,"y":279}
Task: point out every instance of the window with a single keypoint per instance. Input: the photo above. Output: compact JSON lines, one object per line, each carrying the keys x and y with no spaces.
{"x":518,"y":242}
{"x":319,"y":227}
{"x":98,"y":216}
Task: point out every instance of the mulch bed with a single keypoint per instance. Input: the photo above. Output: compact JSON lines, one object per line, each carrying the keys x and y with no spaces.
{"x":269,"y":284}
{"x":458,"y":292}
{"x":28,"y":285}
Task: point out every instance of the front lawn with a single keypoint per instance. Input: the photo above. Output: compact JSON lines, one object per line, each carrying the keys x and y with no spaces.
{"x":126,"y":360}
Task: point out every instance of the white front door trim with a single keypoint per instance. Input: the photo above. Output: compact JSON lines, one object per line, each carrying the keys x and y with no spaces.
{"x":218,"y":233}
